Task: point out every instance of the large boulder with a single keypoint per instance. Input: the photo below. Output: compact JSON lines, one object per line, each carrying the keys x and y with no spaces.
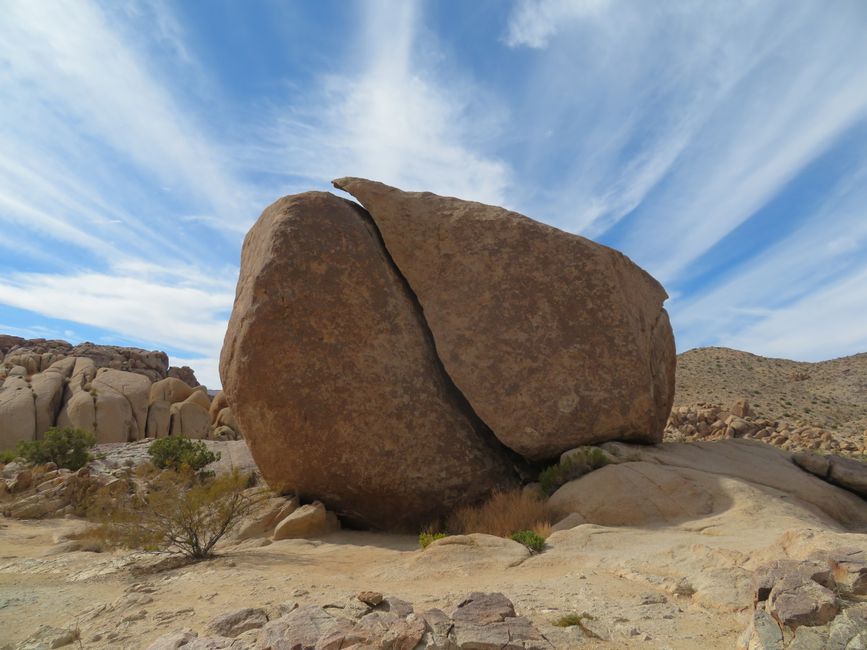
{"x":134,"y":388}
{"x":555,"y":341}
{"x":334,"y":379}
{"x":189,"y":419}
{"x":110,"y":403}
{"x":679,"y":482}
{"x":163,"y":395}
{"x":17,"y":415}
{"x":48,"y":390}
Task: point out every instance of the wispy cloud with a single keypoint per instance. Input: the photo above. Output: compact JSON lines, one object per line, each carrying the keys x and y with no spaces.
{"x":400,"y":114}
{"x":176,"y":313}
{"x":685,"y":116}
{"x":534,"y":22}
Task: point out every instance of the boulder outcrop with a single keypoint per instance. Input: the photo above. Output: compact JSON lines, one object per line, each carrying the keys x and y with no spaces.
{"x":678,"y":482}
{"x":334,"y":380}
{"x":398,"y":360}
{"x":554,"y":340}
{"x":104,"y":389}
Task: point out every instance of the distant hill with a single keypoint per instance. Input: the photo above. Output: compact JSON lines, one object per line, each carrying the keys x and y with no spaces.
{"x":828,"y":394}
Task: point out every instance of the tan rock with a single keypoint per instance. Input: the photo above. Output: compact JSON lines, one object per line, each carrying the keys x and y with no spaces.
{"x":200,"y":396}
{"x":554,"y":340}
{"x":741,"y":408}
{"x":115,"y":418}
{"x":132,"y":387}
{"x":159,"y":419}
{"x":267,"y":516}
{"x":171,"y":390}
{"x":17,"y":412}
{"x":48,"y":390}
{"x":217,"y":404}
{"x":676,"y":482}
{"x":226,"y":419}
{"x":188,"y":419}
{"x":307,"y":521}
{"x":333,"y":378}
{"x":80,"y":412}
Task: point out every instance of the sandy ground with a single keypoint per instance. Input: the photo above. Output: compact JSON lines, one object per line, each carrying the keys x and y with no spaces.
{"x":114,"y":608}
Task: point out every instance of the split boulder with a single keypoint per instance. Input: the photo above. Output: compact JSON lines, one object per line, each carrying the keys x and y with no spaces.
{"x":334,"y":379}
{"x":554,"y":340}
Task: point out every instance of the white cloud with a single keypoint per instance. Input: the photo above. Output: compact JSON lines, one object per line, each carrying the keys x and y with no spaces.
{"x":178,"y":314}
{"x":393,"y":118}
{"x":823,"y":325}
{"x":800,"y":297}
{"x":71,"y":77}
{"x":534,"y":22}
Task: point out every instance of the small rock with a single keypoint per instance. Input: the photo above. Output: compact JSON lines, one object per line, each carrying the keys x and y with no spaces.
{"x":235,"y":623}
{"x":372,"y":598}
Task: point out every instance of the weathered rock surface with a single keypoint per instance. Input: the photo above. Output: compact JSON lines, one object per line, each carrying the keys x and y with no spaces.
{"x":189,"y":418}
{"x":554,"y":340}
{"x":311,"y":520}
{"x":133,"y":388}
{"x":845,"y":472}
{"x":103,"y":389}
{"x":677,"y":482}
{"x":235,"y":623}
{"x":333,"y":378}
{"x":481,"y":622}
{"x":185,"y":374}
{"x":802,"y":606}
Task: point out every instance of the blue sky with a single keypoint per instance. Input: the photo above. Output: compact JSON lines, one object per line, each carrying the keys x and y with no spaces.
{"x":721,"y":145}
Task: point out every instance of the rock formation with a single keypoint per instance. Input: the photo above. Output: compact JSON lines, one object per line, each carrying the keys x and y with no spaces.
{"x":396,"y":361}
{"x":554,"y":340}
{"x":334,"y":380}
{"x":103,"y":389}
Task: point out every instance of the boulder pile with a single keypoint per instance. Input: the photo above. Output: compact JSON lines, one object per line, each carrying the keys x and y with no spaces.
{"x":401,"y":358}
{"x":714,"y":422}
{"x":816,"y":603}
{"x":119,"y":394}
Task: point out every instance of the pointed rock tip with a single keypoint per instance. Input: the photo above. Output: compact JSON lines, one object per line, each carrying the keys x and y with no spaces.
{"x":347,"y":183}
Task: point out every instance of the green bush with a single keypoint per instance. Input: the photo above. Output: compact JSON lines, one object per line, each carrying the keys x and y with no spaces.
{"x":178,"y":453}
{"x":67,"y":447}
{"x":7,"y":457}
{"x":425,"y":538}
{"x":568,"y":620}
{"x":580,"y":461}
{"x":534,"y":542}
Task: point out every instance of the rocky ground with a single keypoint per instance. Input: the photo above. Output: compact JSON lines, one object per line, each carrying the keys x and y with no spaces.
{"x":664,"y":547}
{"x":723,"y":393}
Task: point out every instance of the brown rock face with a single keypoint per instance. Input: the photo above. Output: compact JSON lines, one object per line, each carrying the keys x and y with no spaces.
{"x":555,"y":341}
{"x":333,"y":377}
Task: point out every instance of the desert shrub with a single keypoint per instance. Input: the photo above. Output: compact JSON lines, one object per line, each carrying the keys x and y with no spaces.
{"x":67,"y":447}
{"x":533,"y":541}
{"x":569,"y":620}
{"x":577,"y":620}
{"x":579,"y":462}
{"x":180,"y":513}
{"x":503,"y":514}
{"x":176,"y":453}
{"x":425,"y":538}
{"x":7,"y":457}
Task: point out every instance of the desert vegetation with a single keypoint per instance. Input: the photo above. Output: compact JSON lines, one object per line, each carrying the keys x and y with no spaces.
{"x":180,"y":454}
{"x":180,"y":512}
{"x":66,"y":447}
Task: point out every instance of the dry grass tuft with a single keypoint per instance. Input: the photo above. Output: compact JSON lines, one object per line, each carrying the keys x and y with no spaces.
{"x":503,"y":514}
